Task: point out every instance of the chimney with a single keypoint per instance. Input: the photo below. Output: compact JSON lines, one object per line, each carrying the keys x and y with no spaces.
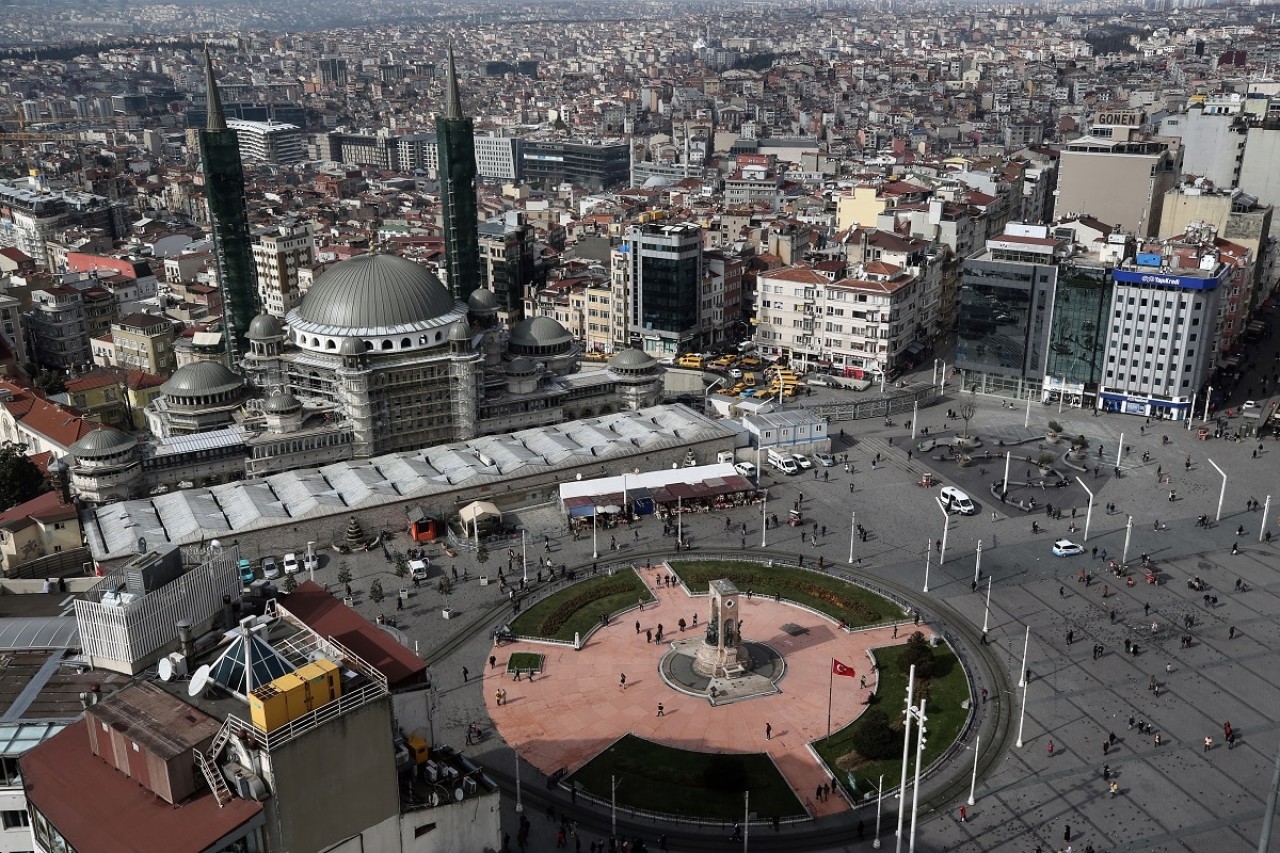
{"x":186,"y":639}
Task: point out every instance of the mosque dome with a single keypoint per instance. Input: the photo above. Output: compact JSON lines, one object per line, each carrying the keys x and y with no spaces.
{"x":482,"y":300}
{"x":539,"y":336}
{"x":459,"y":333}
{"x":373,"y":293}
{"x":104,"y":441}
{"x":632,"y":359}
{"x":201,"y":379}
{"x":521,"y":367}
{"x":265,"y":327}
{"x":352,"y":348}
{"x":281,"y":404}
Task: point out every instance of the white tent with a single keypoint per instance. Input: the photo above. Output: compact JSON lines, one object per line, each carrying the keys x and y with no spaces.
{"x":476,"y":510}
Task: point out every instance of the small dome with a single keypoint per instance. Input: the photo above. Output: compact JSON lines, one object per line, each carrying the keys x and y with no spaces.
{"x":265,"y":327}
{"x":632,"y":359}
{"x":281,"y":404}
{"x":104,"y":441}
{"x":201,"y":379}
{"x":458,"y":333}
{"x":539,"y":333}
{"x":376,"y":292}
{"x":521,"y":367}
{"x":352,"y":348}
{"x":482,"y":301}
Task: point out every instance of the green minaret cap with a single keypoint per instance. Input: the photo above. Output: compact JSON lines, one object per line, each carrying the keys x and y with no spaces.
{"x":217,"y":119}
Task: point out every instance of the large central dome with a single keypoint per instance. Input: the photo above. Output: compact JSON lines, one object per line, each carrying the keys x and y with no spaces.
{"x":374,"y":292}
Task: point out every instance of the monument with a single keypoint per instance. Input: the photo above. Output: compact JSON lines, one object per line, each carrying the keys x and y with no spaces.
{"x":722,"y":653}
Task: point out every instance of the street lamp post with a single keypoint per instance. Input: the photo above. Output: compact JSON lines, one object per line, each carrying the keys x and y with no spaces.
{"x":679,"y":520}
{"x":915,"y":416}
{"x":977,"y":563}
{"x":1022,"y":673}
{"x":986,"y":619}
{"x":1026,"y":421}
{"x":1008,"y":458}
{"x":311,"y":558}
{"x":1022,"y":719}
{"x":1208,"y":396}
{"x":946,"y":522}
{"x":928,"y":553}
{"x":764,"y":519}
{"x":595,"y":542}
{"x":942,"y":377}
{"x":921,"y":731}
{"x":1088,"y":514}
{"x":524,"y":552}
{"x":973,"y":780}
{"x":758,"y":472}
{"x":1191,"y":412}
{"x":906,"y":755}
{"x":879,"y":798}
{"x":1266,"y":509}
{"x":1222,"y":493}
{"x":853,"y":531}
{"x":1128,"y":531}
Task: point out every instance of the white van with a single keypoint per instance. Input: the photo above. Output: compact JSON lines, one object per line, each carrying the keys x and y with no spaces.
{"x":955,"y":500}
{"x":783,"y":462}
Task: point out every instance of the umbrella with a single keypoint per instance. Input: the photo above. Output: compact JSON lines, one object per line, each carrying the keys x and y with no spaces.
{"x":611,"y":508}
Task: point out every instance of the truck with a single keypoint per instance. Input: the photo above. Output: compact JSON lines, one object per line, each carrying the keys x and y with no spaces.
{"x":783,"y":462}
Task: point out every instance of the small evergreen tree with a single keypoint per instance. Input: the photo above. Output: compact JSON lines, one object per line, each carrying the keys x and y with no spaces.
{"x":918,"y":652}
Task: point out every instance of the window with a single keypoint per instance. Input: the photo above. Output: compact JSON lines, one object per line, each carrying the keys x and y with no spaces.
{"x":15,"y":819}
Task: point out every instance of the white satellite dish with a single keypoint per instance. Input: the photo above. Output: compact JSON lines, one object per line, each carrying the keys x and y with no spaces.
{"x":457,"y":794}
{"x":166,"y":669}
{"x":199,"y":680}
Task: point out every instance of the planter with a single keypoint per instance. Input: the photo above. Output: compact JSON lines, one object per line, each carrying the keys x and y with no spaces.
{"x":447,"y":612}
{"x":1052,"y":437}
{"x":964,"y":460}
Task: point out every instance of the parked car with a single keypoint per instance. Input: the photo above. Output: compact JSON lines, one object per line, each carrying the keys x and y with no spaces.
{"x":954,"y":500}
{"x":802,"y":461}
{"x":746,"y":469}
{"x":826,"y":460}
{"x":247,"y":575}
{"x":270,"y":568}
{"x":1066,"y":548}
{"x":311,"y":562}
{"x":735,"y":373}
{"x":290,"y":563}
{"x":419,"y":569}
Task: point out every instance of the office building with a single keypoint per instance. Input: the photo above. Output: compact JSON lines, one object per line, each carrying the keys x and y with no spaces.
{"x":591,"y":165}
{"x":658,"y":269}
{"x":268,"y":141}
{"x":279,"y":254}
{"x":498,"y":158}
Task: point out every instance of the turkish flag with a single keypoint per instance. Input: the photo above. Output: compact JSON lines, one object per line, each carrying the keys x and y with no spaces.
{"x":838,"y":668}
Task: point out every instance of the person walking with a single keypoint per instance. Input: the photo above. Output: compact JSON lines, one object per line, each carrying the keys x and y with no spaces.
{"x":768,"y":731}
{"x":661,"y":710}
{"x":465,"y":673}
{"x":964,"y":815}
{"x":622,"y":681}
{"x":1051,"y":749}
{"x":1208,"y":744}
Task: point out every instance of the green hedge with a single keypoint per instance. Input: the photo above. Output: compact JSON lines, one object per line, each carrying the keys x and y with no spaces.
{"x":825,"y":593}
{"x":577,"y":608}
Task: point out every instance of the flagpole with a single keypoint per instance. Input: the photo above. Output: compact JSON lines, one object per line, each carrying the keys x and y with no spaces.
{"x":831,"y":677}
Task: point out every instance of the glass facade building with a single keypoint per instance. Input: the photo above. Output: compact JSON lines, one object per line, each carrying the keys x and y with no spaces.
{"x":1003,"y":316}
{"x":1078,"y":334}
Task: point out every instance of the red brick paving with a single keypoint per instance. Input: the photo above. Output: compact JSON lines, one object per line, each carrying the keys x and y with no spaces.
{"x":576,"y":708}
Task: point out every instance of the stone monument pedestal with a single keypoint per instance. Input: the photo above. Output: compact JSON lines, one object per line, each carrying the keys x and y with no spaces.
{"x":720,"y":662}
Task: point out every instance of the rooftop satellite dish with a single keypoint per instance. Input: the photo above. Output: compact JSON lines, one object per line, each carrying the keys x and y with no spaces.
{"x":199,"y":681}
{"x":457,"y":794}
{"x":166,"y":669}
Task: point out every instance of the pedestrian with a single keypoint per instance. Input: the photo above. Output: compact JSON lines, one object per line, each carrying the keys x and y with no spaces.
{"x":1095,"y":552}
{"x":1208,"y":744}
{"x":964,"y":815}
{"x":768,"y":731}
{"x":622,"y":681}
{"x":465,"y":672}
{"x":1231,"y":632}
{"x":1062,"y":592}
{"x":1066,"y":834}
{"x":637,"y":626}
{"x":1106,"y":745}
{"x":660,"y":709}
{"x":895,"y":631}
{"x":1146,"y":609}
{"x":1051,"y":749}
{"x":984,"y":696}
{"x":648,"y":635}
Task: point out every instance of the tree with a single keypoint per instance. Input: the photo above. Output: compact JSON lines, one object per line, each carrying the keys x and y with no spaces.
{"x":344,"y":573}
{"x":290,"y":583}
{"x":445,"y":586}
{"x":874,"y":738}
{"x":482,"y":554}
{"x":50,"y":381}
{"x":402,"y":565}
{"x":919,"y":653}
{"x":967,"y":411}
{"x":375,"y":592}
{"x":20,"y":479}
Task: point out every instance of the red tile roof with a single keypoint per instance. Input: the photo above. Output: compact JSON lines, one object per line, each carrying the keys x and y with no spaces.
{"x":61,"y":425}
{"x":43,"y":508}
{"x":96,"y":807}
{"x":329,"y":617}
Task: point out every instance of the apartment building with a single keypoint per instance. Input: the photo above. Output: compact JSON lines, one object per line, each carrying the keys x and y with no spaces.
{"x":145,"y":342}
{"x":658,"y":279}
{"x":57,"y":329}
{"x":865,"y":323}
{"x":507,"y":255}
{"x":499,"y":158}
{"x":279,"y":254}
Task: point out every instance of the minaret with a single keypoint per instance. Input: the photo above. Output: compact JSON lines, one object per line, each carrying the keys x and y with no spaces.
{"x":229,"y":219}
{"x":456,"y":138}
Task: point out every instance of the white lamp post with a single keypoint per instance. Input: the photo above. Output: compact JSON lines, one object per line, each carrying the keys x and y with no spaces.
{"x":595,"y":543}
{"x":1128,"y":532}
{"x":1208,"y":395}
{"x":1026,"y":422}
{"x":921,"y":731}
{"x":906,"y":755}
{"x":1004,"y":484}
{"x":986,"y":619}
{"x":977,"y":563}
{"x":524,"y":552}
{"x":311,"y":559}
{"x":1088,"y":514}
{"x":879,"y":797}
{"x":1022,"y":719}
{"x":946,"y":522}
{"x":915,"y":416}
{"x":1191,"y":412}
{"x":973,"y":780}
{"x":1022,"y":673}
{"x":1266,"y":508}
{"x":764,"y":519}
{"x":679,"y":520}
{"x":1222,"y":493}
{"x":853,"y":531}
{"x":928,"y":553}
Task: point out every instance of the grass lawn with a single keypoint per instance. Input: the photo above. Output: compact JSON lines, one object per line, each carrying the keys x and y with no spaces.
{"x":524,"y":662}
{"x":945,"y":690}
{"x":831,"y":595}
{"x":577,"y":608}
{"x":692,"y":784}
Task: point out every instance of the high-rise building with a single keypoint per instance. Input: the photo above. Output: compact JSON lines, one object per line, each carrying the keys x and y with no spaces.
{"x":456,"y":138}
{"x":507,"y":262}
{"x":224,"y":189}
{"x":660,"y":268}
{"x":279,"y":255}
{"x":268,"y":141}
